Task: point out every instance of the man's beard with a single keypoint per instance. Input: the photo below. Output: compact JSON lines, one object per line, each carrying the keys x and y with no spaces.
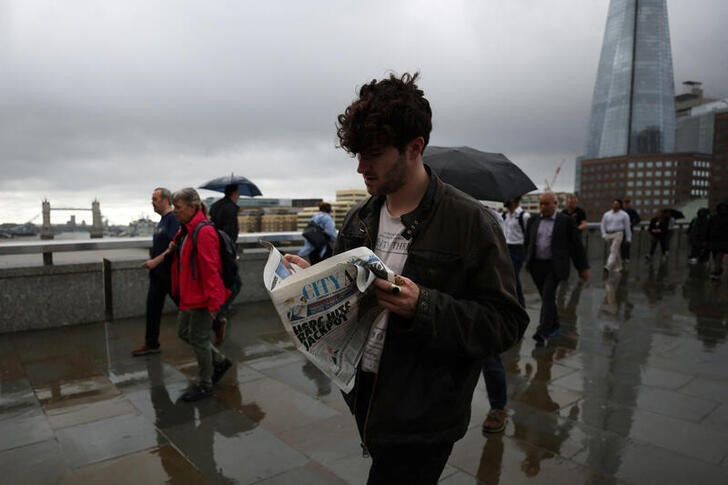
{"x":394,"y":179}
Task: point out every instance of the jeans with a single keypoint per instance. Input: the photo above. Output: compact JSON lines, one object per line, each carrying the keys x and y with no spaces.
{"x":156,"y":294}
{"x":544,"y":277}
{"x":494,"y":376}
{"x":518,"y":255}
{"x":718,"y":261}
{"x":235,"y":289}
{"x":193,"y":327}
{"x":413,"y":464}
{"x":664,"y":241}
{"x":625,"y":249}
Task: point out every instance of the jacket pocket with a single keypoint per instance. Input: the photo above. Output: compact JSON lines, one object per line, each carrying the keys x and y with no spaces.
{"x":436,"y":270}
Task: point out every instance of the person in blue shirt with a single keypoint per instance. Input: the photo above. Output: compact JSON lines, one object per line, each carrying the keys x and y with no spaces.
{"x":324,"y":220}
{"x":159,"y":271}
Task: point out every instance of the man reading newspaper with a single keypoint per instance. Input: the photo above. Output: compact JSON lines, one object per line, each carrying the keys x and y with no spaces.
{"x":452,"y":303}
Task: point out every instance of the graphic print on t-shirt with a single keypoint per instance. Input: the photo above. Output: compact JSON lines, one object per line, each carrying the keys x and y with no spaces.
{"x":391,"y":247}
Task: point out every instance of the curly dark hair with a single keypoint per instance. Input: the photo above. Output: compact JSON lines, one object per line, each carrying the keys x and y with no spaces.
{"x":390,"y":112}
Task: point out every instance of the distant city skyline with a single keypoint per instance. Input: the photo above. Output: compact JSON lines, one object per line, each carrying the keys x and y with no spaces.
{"x":201,"y":90}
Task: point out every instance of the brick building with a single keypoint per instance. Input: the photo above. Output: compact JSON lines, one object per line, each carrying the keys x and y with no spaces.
{"x":719,"y":168}
{"x":650,"y":181}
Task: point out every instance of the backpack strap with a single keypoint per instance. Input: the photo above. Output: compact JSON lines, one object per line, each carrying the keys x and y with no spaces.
{"x":193,"y":253}
{"x":504,"y":214}
{"x":520,"y":222}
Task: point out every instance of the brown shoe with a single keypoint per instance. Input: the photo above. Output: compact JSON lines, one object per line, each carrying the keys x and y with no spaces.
{"x":220,"y":325}
{"x":145,"y":350}
{"x":495,"y":421}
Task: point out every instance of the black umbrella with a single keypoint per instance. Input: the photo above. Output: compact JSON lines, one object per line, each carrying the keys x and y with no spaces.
{"x":245,"y":186}
{"x":674,"y":213}
{"x":484,"y":176}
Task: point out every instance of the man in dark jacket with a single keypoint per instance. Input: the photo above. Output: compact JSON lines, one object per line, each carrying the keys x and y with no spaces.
{"x":698,"y":236}
{"x":551,"y":240}
{"x":634,"y":220}
{"x":718,"y":238}
{"x":158,"y":265}
{"x":224,"y":214}
{"x":454,"y":300}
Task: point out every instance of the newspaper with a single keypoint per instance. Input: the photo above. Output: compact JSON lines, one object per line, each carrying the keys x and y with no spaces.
{"x":326,"y":308}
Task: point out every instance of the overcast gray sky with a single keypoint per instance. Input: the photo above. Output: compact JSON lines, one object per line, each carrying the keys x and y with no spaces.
{"x":109,"y":99}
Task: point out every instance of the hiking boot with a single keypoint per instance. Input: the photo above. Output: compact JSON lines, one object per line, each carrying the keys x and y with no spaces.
{"x":495,"y":421}
{"x":145,"y":350}
{"x":220,"y":370}
{"x":196,"y":392}
{"x":219,"y":326}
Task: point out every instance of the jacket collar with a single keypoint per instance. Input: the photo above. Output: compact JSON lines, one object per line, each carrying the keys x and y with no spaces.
{"x":412,"y":221}
{"x":196,"y":219}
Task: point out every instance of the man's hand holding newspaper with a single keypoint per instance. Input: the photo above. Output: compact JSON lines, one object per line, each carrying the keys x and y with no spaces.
{"x":328,"y":309}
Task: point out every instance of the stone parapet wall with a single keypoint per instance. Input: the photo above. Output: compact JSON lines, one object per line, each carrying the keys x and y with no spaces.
{"x":53,"y":296}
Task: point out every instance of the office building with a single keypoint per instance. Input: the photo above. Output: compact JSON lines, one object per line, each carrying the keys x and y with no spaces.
{"x":633,"y":109}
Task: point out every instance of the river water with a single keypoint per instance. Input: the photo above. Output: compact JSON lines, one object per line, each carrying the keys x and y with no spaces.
{"x":71,"y":257}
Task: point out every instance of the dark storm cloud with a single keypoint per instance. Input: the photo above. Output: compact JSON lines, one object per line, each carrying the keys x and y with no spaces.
{"x":114,"y":98}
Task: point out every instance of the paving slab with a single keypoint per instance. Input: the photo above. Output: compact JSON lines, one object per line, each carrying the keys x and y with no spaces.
{"x":634,"y":390}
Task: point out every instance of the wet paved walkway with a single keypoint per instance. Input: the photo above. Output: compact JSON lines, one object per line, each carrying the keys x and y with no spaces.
{"x":635,"y":390}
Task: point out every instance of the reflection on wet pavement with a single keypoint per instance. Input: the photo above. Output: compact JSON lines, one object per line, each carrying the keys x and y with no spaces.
{"x":635,"y":390}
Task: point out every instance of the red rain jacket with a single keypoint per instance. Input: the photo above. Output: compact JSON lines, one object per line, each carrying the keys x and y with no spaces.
{"x":206,"y":290}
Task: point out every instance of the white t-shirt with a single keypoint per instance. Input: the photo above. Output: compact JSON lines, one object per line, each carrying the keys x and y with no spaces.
{"x":392,"y":248}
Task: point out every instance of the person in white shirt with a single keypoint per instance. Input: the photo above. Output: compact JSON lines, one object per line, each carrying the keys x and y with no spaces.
{"x":514,"y":228}
{"x":616,"y":228}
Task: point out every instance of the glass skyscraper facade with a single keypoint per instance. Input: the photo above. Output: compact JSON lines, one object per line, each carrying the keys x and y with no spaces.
{"x":633,"y":109}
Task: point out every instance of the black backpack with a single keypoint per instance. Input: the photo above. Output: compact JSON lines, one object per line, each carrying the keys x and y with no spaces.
{"x":520,"y":220}
{"x":315,"y":235}
{"x":228,"y":255}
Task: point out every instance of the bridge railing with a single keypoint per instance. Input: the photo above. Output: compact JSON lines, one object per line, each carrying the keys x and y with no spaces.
{"x":104,"y":289}
{"x":246,"y":242}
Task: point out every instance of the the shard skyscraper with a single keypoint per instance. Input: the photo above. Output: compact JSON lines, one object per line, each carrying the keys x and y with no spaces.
{"x":633,"y":108}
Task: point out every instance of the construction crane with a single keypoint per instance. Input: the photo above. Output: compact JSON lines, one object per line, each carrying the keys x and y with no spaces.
{"x":553,"y":179}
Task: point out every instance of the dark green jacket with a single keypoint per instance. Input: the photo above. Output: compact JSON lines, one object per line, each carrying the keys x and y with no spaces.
{"x":467,"y":310}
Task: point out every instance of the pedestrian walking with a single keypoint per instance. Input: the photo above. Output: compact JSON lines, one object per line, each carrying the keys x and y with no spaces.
{"x":197,"y":282}
{"x":660,"y":233}
{"x":514,"y":227}
{"x":319,"y":236}
{"x":718,"y":238}
{"x":159,"y":268}
{"x":616,"y":227}
{"x":575,"y":212}
{"x":698,"y":237}
{"x":494,"y":376}
{"x":224,"y":214}
{"x":552,"y":239}
{"x":634,"y":220}
{"x":454,"y":300}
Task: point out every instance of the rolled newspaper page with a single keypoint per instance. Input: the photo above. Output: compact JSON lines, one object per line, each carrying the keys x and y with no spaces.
{"x":327,"y":309}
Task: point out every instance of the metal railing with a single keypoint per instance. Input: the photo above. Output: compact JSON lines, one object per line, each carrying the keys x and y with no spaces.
{"x":246,"y":241}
